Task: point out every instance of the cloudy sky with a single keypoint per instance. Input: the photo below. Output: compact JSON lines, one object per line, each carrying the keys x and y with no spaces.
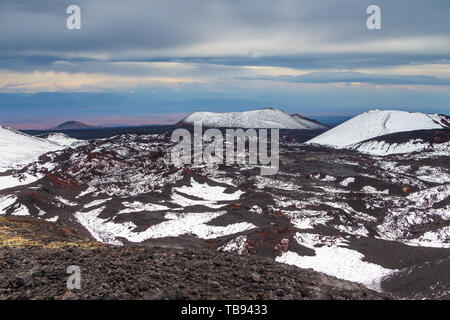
{"x":141,"y":61}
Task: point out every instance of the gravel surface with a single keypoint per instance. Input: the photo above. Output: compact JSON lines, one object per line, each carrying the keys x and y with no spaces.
{"x":35,"y":255}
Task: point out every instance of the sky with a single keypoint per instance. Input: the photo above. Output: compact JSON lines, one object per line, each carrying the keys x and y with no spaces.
{"x":146,"y":62}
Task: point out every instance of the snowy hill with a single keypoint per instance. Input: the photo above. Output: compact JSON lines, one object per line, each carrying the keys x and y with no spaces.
{"x":62,"y":139}
{"x":377,"y":123}
{"x":18,"y":149}
{"x":263,"y":118}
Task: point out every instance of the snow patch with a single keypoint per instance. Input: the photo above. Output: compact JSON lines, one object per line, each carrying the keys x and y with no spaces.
{"x":11,"y":181}
{"x":333,"y":259}
{"x":137,"y":206}
{"x":435,"y":175}
{"x":428,"y":197}
{"x":237,"y":245}
{"x":207,"y":192}
{"x":177,"y":224}
{"x":372,"y":190}
{"x":347,"y":181}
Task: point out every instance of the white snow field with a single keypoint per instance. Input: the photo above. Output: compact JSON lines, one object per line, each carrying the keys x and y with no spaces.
{"x":11,"y":181}
{"x":18,"y":149}
{"x":177,"y":224}
{"x":377,"y":123}
{"x":333,"y":258}
{"x":265,"y":118}
{"x":382,"y":148}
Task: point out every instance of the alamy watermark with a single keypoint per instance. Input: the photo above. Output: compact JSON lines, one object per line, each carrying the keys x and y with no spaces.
{"x":373,"y":22}
{"x":74,"y":19}
{"x":74,"y":280}
{"x":230,"y":150}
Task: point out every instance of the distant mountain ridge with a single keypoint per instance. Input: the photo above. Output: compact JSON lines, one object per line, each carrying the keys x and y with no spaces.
{"x":72,"y":125}
{"x":269,"y":118}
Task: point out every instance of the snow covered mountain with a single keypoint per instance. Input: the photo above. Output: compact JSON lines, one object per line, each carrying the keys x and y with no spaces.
{"x":263,"y":118}
{"x":377,"y":123}
{"x":18,"y":149}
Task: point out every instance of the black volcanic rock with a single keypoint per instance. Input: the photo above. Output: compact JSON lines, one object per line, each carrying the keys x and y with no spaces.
{"x":431,"y":136}
{"x":144,"y":272}
{"x":72,"y":125}
{"x":382,"y":209}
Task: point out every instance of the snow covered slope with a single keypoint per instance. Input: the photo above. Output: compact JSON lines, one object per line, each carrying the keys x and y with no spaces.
{"x":263,"y":118}
{"x":431,"y":141}
{"x":377,"y":123}
{"x":18,"y":149}
{"x":309,"y":123}
{"x":62,"y":139}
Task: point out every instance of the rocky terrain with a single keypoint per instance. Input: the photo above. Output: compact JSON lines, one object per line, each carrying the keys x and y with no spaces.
{"x":380,"y":221}
{"x":34,"y":256}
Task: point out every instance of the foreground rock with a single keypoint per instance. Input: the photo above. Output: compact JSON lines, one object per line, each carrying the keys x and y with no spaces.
{"x":36,"y":269}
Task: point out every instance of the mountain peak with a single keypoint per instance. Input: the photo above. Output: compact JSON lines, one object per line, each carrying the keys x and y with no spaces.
{"x":269,"y":118}
{"x":72,"y":125}
{"x":375,"y":123}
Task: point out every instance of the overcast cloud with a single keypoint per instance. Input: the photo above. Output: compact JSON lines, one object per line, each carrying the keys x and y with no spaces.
{"x":202,"y":47}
